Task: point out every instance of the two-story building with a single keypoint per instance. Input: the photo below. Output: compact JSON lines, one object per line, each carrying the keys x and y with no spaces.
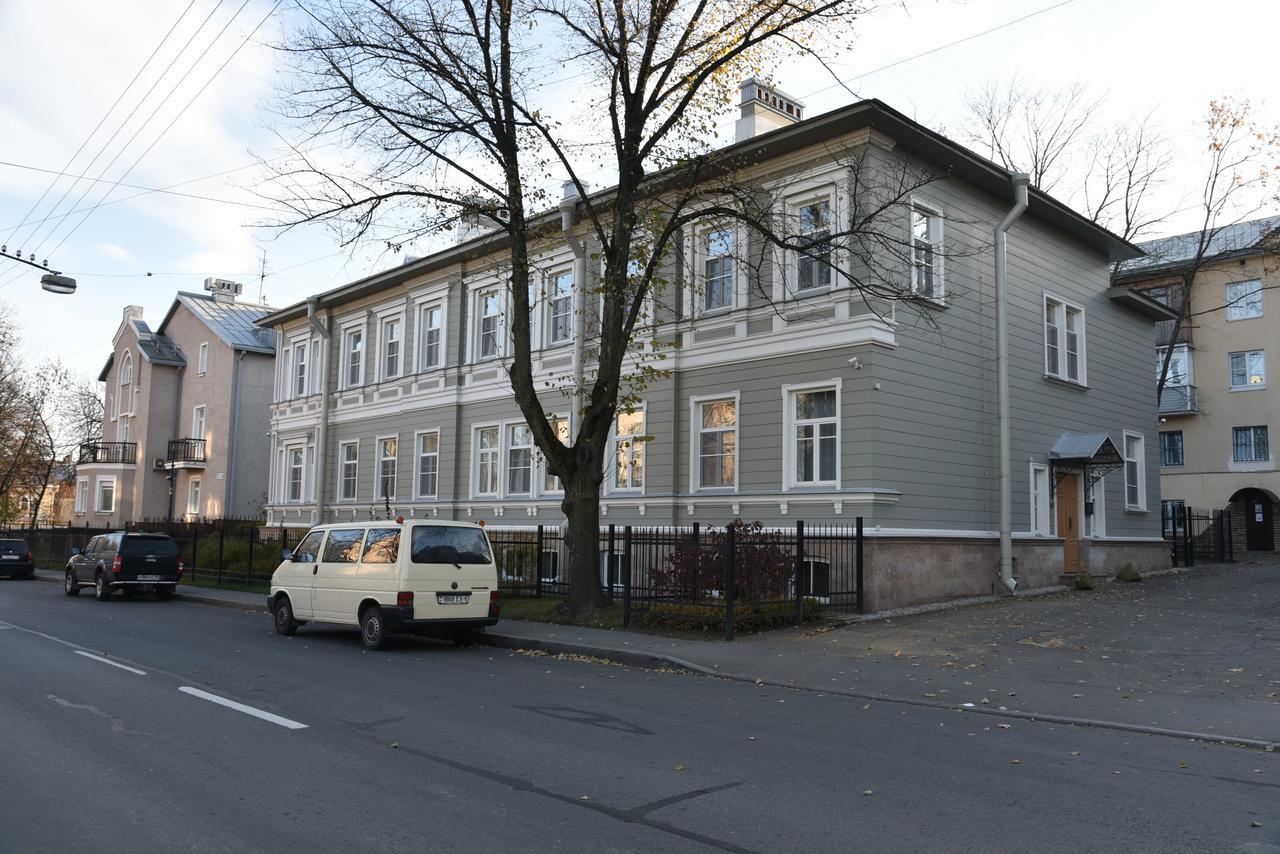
{"x":1217,"y":408}
{"x":187,"y":412}
{"x":791,"y":394}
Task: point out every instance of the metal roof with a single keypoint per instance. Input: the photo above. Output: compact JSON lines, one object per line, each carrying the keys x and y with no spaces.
{"x":233,"y":322}
{"x":1241,"y":238}
{"x":1080,"y":446}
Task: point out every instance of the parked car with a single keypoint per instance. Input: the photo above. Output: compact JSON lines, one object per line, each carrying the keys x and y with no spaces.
{"x":16,"y":560}
{"x":420,"y":577}
{"x":125,"y":561}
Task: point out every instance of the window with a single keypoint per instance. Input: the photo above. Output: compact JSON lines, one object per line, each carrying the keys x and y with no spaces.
{"x":449,"y":544}
{"x":300,"y":370}
{"x":343,"y":546}
{"x":1095,"y":523}
{"x":813,"y":267}
{"x":628,"y":445}
{"x":1244,"y":300}
{"x":193,"y":497}
{"x":197,"y":422}
{"x":391,"y":348}
{"x":519,"y":459}
{"x":551,"y":483}
{"x":717,"y":438}
{"x":202,"y":361}
{"x":124,"y":398}
{"x":1248,"y":370}
{"x":387,"y":468}
{"x":1250,"y":445}
{"x":354,"y":350}
{"x":428,"y":464}
{"x":286,"y":378}
{"x":1179,"y":365}
{"x":718,"y":269}
{"x":1172,"y":515}
{"x":560,"y":303}
{"x":487,"y":339}
{"x":549,"y":567}
{"x":432,"y":329}
{"x":106,"y":495}
{"x":348,"y":477}
{"x":1063,"y":341}
{"x":926,"y":252}
{"x":487,"y":451}
{"x":1171,"y":448}
{"x":82,"y":495}
{"x":815,"y":577}
{"x":381,"y":545}
{"x":1040,"y":518}
{"x":307,"y":550}
{"x":293,"y":474}
{"x":815,"y":431}
{"x":1135,"y":472}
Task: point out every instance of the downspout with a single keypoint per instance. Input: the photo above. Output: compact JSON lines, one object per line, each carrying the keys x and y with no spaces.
{"x":322,"y":432}
{"x":461,"y":488}
{"x":229,"y":502}
{"x":568,"y":206}
{"x":1020,"y":182}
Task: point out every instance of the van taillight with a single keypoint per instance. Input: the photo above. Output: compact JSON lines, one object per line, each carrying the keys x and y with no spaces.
{"x":405,"y":600}
{"x":180,"y":569}
{"x":29,"y":556}
{"x":493,"y":603}
{"x":116,"y":565}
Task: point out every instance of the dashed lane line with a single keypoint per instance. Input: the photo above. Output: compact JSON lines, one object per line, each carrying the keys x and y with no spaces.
{"x":241,"y":707}
{"x":112,"y":663}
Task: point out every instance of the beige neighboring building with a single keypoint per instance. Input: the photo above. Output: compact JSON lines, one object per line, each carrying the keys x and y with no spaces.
{"x":1220,"y":410}
{"x":187,"y":410}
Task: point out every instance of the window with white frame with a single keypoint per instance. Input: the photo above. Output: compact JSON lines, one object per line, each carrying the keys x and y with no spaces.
{"x":1244,"y":300}
{"x":487,"y":315}
{"x":1248,"y":370}
{"x":82,"y":495}
{"x":1040,"y":516}
{"x":488,"y":451}
{"x":551,"y":483}
{"x":1135,"y":472}
{"x":717,"y":444}
{"x":1064,"y":354}
{"x":717,"y":269}
{"x":353,"y":357}
{"x":391,"y":348}
{"x":813,"y":234}
{"x":293,"y":474}
{"x":300,"y":369}
{"x":926,"y":252}
{"x":628,"y":449}
{"x":124,"y":397}
{"x":815,"y":431}
{"x":560,"y":308}
{"x":1095,"y":497}
{"x":1249,"y":445}
{"x":1171,"y":450}
{"x":430,"y":336}
{"x":106,"y":499}
{"x":349,"y":474}
{"x":428,"y":474}
{"x":202,"y":361}
{"x":286,"y":378}
{"x":387,"y":468}
{"x":1179,"y":373}
{"x":519,"y":459}
{"x":197,"y":422}
{"x":1172,"y":514}
{"x":193,"y":497}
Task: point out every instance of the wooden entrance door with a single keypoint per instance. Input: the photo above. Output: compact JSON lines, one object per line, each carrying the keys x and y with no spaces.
{"x":1068,"y":504}
{"x":1259,"y":533}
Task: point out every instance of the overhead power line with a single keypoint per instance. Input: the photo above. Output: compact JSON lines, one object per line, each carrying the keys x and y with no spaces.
{"x":146,"y":190}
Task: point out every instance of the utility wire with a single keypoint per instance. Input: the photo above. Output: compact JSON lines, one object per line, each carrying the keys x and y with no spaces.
{"x":147,"y":190}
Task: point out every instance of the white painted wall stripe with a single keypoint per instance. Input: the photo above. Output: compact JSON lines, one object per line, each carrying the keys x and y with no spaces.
{"x":112,"y":663}
{"x":241,"y":707}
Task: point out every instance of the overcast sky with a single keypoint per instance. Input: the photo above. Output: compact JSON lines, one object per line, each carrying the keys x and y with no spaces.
{"x":66,"y":61}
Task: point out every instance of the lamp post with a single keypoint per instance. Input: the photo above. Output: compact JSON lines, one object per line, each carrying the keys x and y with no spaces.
{"x":52,"y":281}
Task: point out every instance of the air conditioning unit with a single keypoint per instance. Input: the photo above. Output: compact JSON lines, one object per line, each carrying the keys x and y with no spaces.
{"x":159,"y":464}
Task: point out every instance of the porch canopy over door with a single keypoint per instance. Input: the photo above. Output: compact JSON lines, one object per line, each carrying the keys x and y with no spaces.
{"x":1091,"y":455}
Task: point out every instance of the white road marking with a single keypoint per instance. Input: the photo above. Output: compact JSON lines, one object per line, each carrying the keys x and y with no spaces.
{"x":241,"y":707}
{"x":112,"y":663}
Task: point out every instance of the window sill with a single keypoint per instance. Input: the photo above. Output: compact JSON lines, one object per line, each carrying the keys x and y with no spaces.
{"x":714,"y":312}
{"x":1250,"y":317}
{"x":936,"y":302}
{"x":1129,"y":509}
{"x":1235,"y":388}
{"x":1076,"y":384}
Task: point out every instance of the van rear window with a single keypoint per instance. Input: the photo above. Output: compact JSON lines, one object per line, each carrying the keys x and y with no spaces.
{"x":449,"y":544}
{"x":148,"y":545}
{"x":12,"y":546}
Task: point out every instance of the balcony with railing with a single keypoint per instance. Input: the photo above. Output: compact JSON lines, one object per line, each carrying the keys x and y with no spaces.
{"x":117,"y":453}
{"x":1178,"y":400}
{"x":185,"y":453}
{"x":1165,"y":336}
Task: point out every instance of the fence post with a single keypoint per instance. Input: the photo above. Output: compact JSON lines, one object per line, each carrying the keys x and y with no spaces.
{"x":253,"y":535}
{"x":729,"y":583}
{"x":799,"y":571}
{"x":1231,"y":546}
{"x":626,"y":576}
{"x":1219,"y":548}
{"x":857,"y":545}
{"x":609,"y":565}
{"x":222,"y":538}
{"x":1188,"y":553}
{"x":195,"y":549}
{"x":537,"y":566}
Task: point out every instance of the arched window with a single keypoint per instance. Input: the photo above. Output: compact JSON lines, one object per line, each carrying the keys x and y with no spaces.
{"x":124,"y":397}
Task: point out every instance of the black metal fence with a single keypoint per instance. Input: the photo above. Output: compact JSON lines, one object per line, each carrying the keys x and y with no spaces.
{"x":1198,"y":536}
{"x":714,"y":575}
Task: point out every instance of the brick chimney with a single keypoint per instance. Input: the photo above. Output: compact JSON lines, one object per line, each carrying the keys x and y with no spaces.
{"x":764,"y":109}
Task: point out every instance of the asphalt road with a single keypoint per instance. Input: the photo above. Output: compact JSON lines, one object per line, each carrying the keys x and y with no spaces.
{"x":427,"y":747}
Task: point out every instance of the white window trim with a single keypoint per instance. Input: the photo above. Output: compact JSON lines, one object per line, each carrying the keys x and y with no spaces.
{"x":378,"y":497}
{"x":417,"y":461}
{"x":695,"y":292}
{"x":342,"y":446}
{"x":203,"y":412}
{"x":695,"y":445}
{"x":346,"y":331}
{"x":1098,"y":529}
{"x":547,"y":324}
{"x":477,"y":296}
{"x":504,"y":441}
{"x":302,"y":345}
{"x":1228,"y":303}
{"x":1186,"y":353}
{"x":540,"y":461}
{"x":1066,"y":305}
{"x":202,"y":359}
{"x":788,"y":432}
{"x":82,"y":500}
{"x":421,"y":306}
{"x":97,"y":494}
{"x":1142,"y":471}
{"x":1045,"y":506}
{"x":611,"y":479}
{"x":932,"y":209}
{"x":286,"y":451}
{"x":194,"y":491}
{"x":392,"y":315}
{"x":1231,"y":386}
{"x":475,"y":459}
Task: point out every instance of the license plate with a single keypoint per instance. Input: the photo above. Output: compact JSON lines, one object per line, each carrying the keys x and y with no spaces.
{"x":9,"y":557}
{"x":148,"y":578}
{"x":453,"y":598}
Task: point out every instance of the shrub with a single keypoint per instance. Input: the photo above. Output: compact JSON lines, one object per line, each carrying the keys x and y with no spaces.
{"x":763,"y":568}
{"x":1084,"y":581}
{"x":711,"y":615}
{"x":1128,"y":573}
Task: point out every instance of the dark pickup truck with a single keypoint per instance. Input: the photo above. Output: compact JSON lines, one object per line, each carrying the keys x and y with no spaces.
{"x":125,"y":561}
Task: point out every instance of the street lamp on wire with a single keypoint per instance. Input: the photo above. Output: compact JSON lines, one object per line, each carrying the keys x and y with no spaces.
{"x":52,"y":281}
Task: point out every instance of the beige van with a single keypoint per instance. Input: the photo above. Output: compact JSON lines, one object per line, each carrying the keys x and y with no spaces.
{"x":416,"y":576}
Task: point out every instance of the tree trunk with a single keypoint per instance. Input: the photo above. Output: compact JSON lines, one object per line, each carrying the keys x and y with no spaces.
{"x":581,"y":507}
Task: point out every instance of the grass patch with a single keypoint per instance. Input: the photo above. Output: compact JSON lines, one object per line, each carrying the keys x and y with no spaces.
{"x":686,"y":620}
{"x":1128,"y":573}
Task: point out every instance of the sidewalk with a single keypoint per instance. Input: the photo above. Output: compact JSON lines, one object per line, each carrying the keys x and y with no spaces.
{"x":1192,"y":654}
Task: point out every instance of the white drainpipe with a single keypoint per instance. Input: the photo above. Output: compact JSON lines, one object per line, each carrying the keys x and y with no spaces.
{"x":322,"y":431}
{"x":568,"y":205}
{"x":1020,"y":182}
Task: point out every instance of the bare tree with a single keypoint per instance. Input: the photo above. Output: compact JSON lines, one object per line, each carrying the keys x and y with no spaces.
{"x":439,"y":107}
